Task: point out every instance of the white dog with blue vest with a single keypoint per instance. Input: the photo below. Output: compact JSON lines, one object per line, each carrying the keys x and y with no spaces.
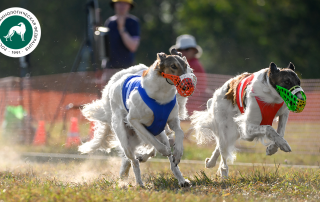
{"x":134,"y":111}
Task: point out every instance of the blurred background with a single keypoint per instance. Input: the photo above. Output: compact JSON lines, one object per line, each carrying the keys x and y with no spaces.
{"x":236,"y":36}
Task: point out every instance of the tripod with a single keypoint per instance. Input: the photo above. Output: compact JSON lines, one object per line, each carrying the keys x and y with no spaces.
{"x":88,"y":49}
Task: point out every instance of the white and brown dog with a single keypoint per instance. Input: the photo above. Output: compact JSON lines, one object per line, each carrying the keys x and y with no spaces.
{"x":129,"y":117}
{"x":244,"y":108}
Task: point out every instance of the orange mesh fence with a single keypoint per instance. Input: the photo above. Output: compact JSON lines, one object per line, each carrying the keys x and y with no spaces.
{"x":54,"y":97}
{"x":45,"y":96}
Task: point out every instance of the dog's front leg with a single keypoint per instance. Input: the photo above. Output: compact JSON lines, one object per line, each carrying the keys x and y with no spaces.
{"x":146,"y":136}
{"x":178,"y":142}
{"x":253,"y":131}
{"x":174,"y":168}
{"x":283,"y":119}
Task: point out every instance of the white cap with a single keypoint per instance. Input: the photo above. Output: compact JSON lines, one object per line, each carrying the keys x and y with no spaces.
{"x":187,"y":41}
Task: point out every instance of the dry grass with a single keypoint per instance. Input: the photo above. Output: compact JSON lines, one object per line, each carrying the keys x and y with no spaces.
{"x":21,"y":180}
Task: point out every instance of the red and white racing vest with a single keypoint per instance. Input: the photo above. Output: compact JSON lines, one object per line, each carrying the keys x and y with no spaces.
{"x":268,"y":110}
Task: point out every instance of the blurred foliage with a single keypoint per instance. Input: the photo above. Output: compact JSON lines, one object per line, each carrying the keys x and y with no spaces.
{"x":236,"y":36}
{"x":242,"y":36}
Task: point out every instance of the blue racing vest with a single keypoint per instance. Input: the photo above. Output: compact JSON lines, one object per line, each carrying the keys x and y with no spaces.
{"x":160,"y":112}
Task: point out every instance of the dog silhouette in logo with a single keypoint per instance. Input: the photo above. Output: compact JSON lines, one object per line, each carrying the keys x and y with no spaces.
{"x":16,"y":29}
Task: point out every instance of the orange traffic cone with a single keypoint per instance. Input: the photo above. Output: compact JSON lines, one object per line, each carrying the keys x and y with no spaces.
{"x":40,"y":137}
{"x":73,"y":138}
{"x":91,"y":132}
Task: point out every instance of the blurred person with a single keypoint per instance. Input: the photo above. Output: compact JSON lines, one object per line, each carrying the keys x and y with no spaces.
{"x":124,"y":38}
{"x":186,"y":44}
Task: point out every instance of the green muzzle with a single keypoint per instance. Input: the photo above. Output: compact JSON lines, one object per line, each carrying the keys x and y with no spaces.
{"x":293,"y":103}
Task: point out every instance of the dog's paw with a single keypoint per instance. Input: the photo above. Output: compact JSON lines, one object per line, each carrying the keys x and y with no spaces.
{"x":210,"y":164}
{"x":177,"y":154}
{"x":124,"y":176}
{"x":186,"y":183}
{"x":271,"y":149}
{"x":141,"y":185}
{"x":283,"y":145}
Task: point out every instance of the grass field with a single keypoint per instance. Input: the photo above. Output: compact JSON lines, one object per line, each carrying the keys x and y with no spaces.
{"x":21,"y":180}
{"x":98,"y":181}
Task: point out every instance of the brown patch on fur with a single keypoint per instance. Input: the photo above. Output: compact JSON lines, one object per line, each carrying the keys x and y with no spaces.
{"x":171,"y":64}
{"x":145,"y":72}
{"x":232,"y":87}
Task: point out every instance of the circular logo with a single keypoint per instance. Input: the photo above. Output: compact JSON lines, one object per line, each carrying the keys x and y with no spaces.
{"x":20,"y":32}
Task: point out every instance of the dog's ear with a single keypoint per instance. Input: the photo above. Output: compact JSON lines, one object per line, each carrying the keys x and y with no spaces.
{"x":161,"y":56}
{"x":291,"y":66}
{"x":175,"y":52}
{"x":273,"y":68}
{"x":184,"y":59}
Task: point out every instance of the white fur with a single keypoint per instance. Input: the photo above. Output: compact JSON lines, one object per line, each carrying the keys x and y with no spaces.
{"x":115,"y":126}
{"x":223,"y":122}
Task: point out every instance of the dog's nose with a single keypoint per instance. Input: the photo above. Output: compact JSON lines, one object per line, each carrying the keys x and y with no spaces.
{"x":298,"y":94}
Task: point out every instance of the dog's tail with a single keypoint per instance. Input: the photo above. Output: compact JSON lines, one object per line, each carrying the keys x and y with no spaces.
{"x":203,"y":124}
{"x":94,"y":111}
{"x":8,"y":35}
{"x":103,"y":138}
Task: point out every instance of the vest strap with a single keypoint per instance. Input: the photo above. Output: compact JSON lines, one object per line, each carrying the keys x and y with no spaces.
{"x":268,"y":110}
{"x":160,"y":112}
{"x":240,"y":90}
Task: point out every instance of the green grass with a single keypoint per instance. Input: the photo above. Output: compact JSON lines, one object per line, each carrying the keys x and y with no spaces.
{"x":48,"y":182}
{"x":192,"y":151}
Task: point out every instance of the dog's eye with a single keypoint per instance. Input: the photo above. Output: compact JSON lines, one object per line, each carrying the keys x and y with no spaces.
{"x":287,"y":82}
{"x":173,"y":67}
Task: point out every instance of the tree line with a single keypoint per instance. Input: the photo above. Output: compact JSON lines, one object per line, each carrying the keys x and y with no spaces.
{"x":236,"y":36}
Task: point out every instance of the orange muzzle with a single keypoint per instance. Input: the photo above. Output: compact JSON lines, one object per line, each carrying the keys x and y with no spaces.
{"x":185,"y":84}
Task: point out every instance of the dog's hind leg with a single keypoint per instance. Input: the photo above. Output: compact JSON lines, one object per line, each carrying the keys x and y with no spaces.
{"x":211,"y":162}
{"x":223,"y":150}
{"x":141,"y":155}
{"x":223,"y":168}
{"x":228,"y":136}
{"x":102,"y":133}
{"x":11,"y":35}
{"x":162,"y":137}
{"x":123,"y":134}
{"x":125,"y":167}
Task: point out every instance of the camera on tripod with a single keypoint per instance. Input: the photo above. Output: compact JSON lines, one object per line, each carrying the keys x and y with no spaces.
{"x":103,"y":42}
